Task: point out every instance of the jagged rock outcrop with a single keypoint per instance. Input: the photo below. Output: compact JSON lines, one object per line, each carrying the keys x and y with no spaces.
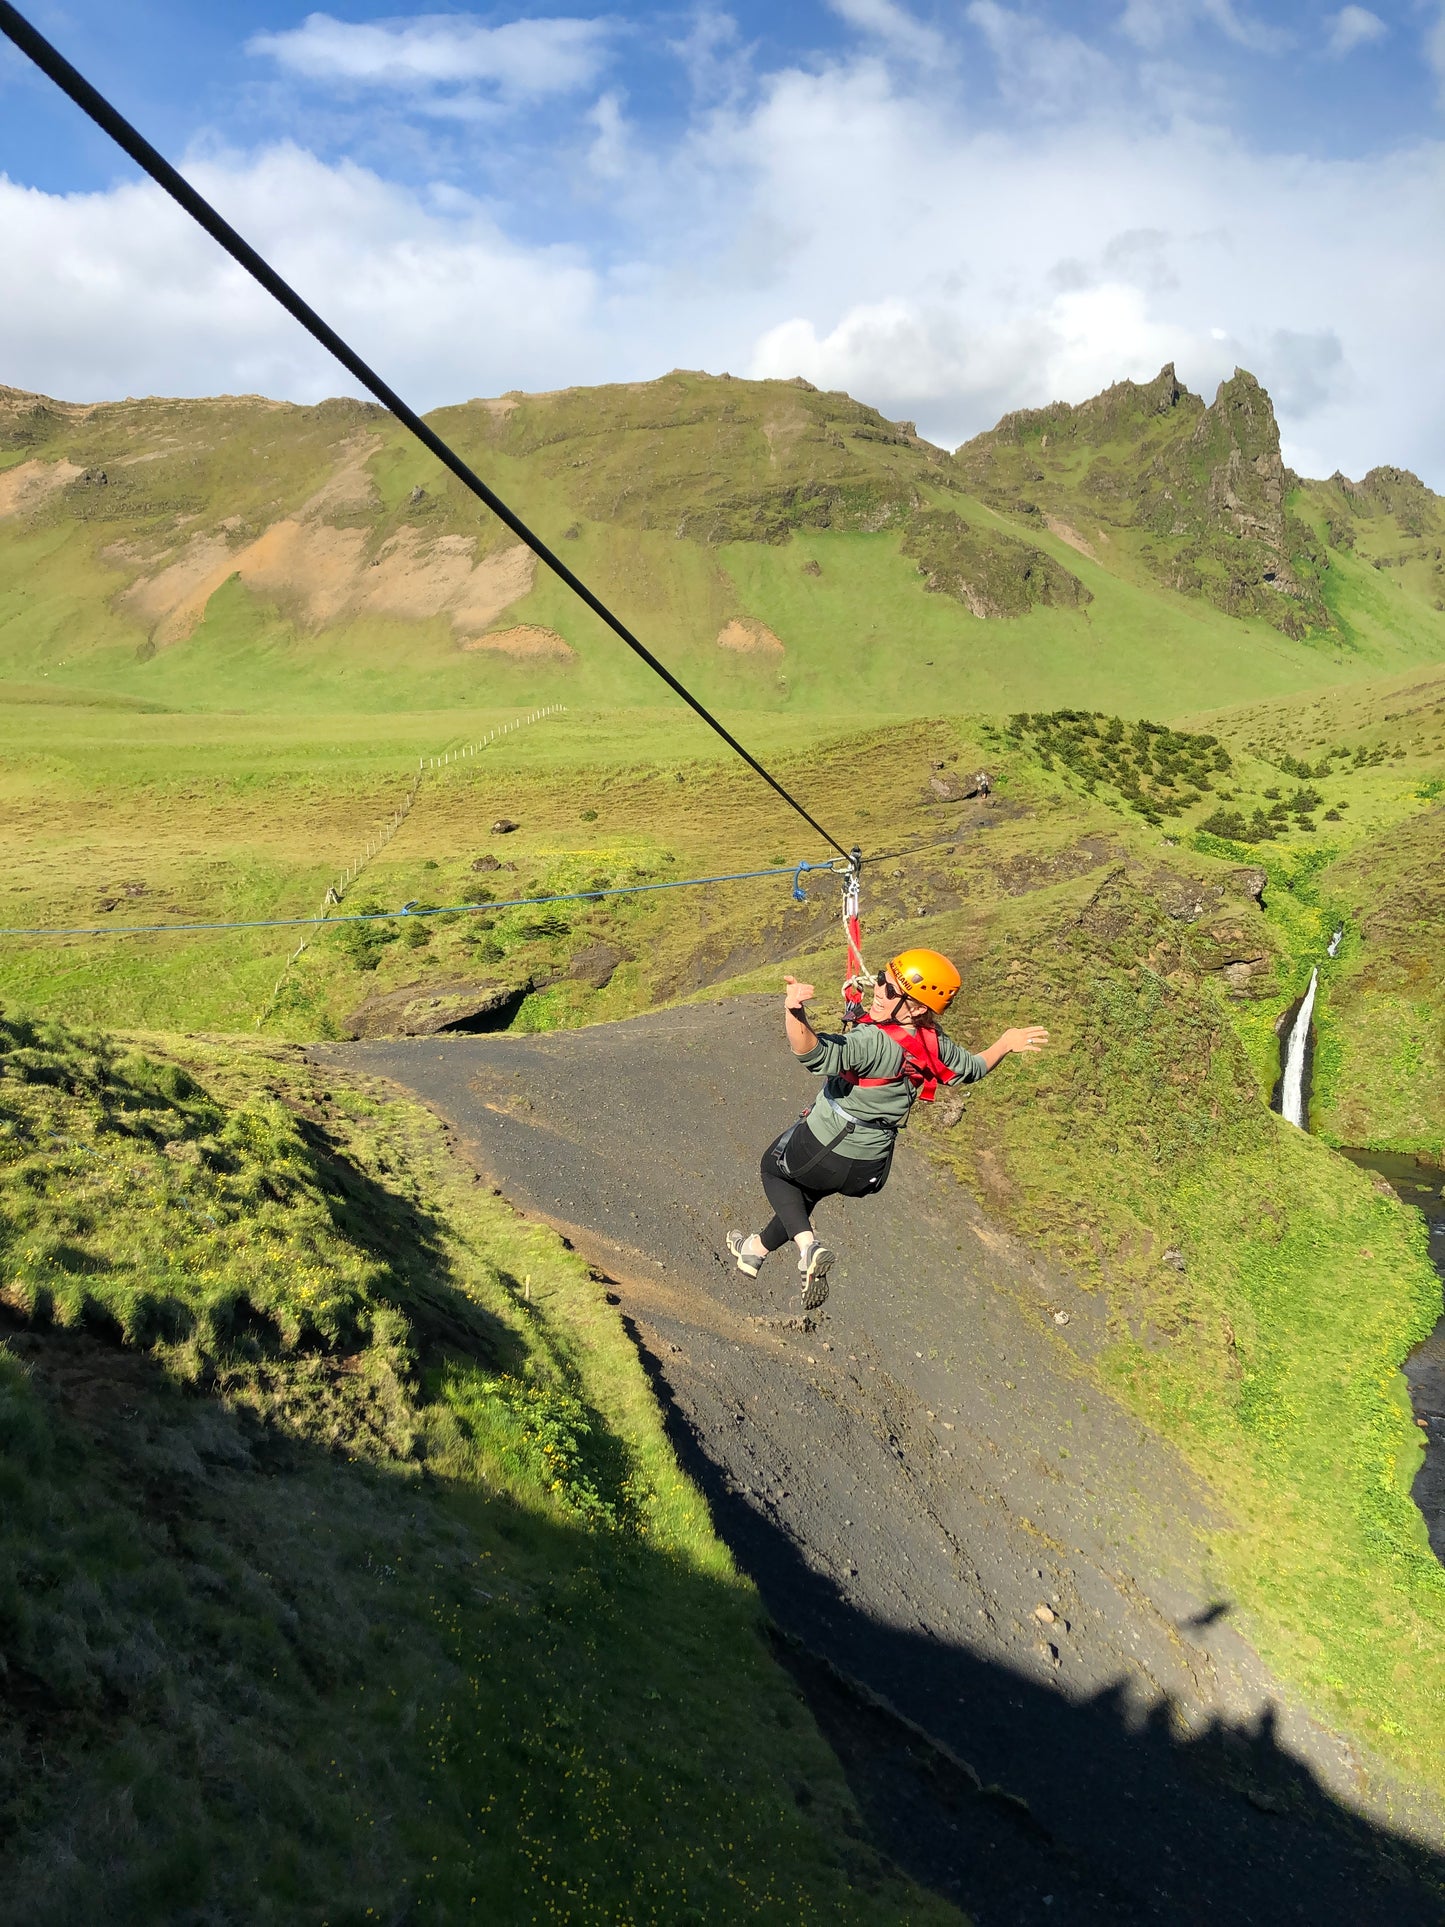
{"x":1205,"y":488}
{"x":1383,"y":493}
{"x":1222,"y":493}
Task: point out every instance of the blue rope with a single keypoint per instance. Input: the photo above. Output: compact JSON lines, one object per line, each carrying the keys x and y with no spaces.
{"x":800,"y":895}
{"x":411,"y":909}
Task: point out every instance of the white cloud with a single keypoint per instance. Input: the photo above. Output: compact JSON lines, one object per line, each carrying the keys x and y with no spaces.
{"x":120,"y":293}
{"x":1038,"y":68}
{"x":712,"y":56}
{"x":608,"y":157}
{"x":1353,"y":27}
{"x":894,"y":26}
{"x":920,"y":359}
{"x":947,"y":274}
{"x":1152,"y":24}
{"x":1243,"y":31}
{"x":1156,"y":24}
{"x":900,"y":352}
{"x":526,"y":59}
{"x":847,"y":223}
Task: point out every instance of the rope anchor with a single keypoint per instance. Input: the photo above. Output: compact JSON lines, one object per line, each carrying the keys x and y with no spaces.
{"x":800,"y":895}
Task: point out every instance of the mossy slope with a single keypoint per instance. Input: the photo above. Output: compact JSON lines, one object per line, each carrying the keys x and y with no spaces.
{"x":345,"y":1571}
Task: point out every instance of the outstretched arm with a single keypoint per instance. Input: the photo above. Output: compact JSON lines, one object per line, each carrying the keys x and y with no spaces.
{"x":801,"y":1036}
{"x":1030,"y":1037}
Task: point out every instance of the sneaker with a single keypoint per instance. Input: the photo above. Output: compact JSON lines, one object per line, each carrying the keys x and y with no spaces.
{"x":747,"y":1264}
{"x":815,"y":1268}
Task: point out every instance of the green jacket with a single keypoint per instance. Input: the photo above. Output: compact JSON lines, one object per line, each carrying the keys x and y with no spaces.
{"x":872,"y":1053}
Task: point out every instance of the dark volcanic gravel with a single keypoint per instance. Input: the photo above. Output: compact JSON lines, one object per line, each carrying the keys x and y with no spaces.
{"x":916,"y":1484}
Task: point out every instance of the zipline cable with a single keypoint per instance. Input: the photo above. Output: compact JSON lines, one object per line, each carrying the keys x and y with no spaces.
{"x":90,"y":101}
{"x":794,"y":870}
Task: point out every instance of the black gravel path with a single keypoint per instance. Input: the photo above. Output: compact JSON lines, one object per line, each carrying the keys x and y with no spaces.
{"x":936,"y":1503}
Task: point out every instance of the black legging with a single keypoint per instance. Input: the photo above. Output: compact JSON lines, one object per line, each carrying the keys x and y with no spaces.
{"x":825,"y":1174}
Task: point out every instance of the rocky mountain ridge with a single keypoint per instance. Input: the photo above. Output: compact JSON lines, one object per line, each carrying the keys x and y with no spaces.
{"x":329,"y":515}
{"x":1200,"y":490}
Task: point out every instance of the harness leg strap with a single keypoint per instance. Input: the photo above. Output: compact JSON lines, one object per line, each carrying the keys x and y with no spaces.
{"x":818,"y":1156}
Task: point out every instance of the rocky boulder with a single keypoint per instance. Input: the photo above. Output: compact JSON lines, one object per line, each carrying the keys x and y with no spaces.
{"x":946,"y":787}
{"x":1239,"y":957}
{"x":429,"y":1009}
{"x":594,"y":964}
{"x":1248,"y":882}
{"x":1186,"y":900}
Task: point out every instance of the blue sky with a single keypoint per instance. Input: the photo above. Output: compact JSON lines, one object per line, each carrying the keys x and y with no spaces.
{"x":949,"y":209}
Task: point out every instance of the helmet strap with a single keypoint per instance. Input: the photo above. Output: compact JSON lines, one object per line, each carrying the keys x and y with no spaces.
{"x":900,"y":997}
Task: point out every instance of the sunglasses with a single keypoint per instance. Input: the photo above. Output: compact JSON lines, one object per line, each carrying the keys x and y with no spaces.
{"x":889,"y":983}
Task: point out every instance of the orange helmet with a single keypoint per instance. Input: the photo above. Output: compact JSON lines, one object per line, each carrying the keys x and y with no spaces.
{"x":926,"y":976}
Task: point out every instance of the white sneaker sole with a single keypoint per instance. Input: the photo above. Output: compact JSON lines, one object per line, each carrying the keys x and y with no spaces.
{"x":815,"y":1276}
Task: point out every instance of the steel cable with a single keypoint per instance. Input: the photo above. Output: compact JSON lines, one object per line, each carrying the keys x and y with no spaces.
{"x":57,"y":68}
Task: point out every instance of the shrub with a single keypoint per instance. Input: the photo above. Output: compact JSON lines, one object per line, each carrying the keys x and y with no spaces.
{"x":1229,"y":824}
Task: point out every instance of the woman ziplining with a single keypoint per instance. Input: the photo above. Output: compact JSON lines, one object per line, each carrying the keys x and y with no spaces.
{"x":874,"y":1069}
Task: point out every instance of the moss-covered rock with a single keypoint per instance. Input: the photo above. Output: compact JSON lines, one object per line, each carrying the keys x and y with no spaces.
{"x":990,"y":573}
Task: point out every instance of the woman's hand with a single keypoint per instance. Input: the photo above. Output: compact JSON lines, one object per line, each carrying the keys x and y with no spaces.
{"x":1028,"y":1037}
{"x":802,"y":1038}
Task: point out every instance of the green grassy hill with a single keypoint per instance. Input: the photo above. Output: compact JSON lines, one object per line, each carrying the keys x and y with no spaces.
{"x":781,"y":548}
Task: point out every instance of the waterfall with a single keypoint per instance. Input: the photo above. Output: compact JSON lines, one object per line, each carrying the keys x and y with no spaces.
{"x":1292,"y":1087}
{"x":1335,"y":942}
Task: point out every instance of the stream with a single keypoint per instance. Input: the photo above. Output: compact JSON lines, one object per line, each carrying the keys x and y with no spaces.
{"x":1423,"y":1186}
{"x":1417,"y":1184}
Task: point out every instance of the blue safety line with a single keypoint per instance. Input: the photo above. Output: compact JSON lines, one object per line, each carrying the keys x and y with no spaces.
{"x":793,"y":870}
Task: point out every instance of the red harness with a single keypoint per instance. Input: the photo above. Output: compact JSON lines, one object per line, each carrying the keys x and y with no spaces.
{"x":923,"y":1068}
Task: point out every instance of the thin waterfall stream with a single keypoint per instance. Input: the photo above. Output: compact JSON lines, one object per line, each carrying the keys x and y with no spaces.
{"x":1294,"y":1096}
{"x":1423,"y":1186}
{"x":1417,"y":1184}
{"x":1297,"y":1050}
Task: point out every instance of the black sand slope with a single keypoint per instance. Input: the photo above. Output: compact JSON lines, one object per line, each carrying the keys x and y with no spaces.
{"x":989,"y":1579}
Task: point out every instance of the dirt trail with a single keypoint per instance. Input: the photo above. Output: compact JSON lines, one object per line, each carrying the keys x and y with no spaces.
{"x":911,"y":1481}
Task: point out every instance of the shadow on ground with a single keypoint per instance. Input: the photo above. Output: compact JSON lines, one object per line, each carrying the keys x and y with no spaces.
{"x":248,"y":1677}
{"x":1220,"y":1824}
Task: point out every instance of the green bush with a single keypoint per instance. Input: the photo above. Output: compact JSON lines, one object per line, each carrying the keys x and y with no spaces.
{"x":1229,"y":824}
